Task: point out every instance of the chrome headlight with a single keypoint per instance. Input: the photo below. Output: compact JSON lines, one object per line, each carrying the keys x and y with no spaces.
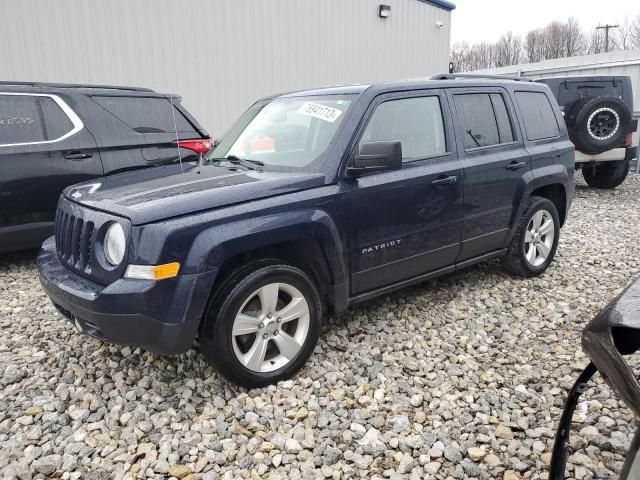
{"x":114,"y":244}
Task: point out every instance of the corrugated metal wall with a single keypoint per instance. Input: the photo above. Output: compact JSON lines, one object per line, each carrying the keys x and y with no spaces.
{"x":221,"y":55}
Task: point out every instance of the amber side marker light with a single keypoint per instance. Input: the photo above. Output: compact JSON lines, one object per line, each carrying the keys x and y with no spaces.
{"x":152,"y":272}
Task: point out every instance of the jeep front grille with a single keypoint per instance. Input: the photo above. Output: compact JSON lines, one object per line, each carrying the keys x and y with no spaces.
{"x":74,"y":240}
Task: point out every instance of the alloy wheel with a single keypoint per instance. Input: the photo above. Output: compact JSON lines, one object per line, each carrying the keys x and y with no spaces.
{"x":270,"y":327}
{"x":603,"y":123}
{"x":539,"y":237}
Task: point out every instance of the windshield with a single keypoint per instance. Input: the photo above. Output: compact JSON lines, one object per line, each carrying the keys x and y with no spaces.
{"x":285,"y":133}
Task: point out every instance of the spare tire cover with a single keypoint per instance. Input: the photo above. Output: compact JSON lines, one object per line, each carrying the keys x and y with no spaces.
{"x":598,"y":124}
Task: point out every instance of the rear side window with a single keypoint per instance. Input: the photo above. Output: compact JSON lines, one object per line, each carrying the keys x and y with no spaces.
{"x":20,"y":120}
{"x":539,"y":119}
{"x":56,"y":122}
{"x":145,"y":114}
{"x":484,"y":119}
{"x":414,"y":122}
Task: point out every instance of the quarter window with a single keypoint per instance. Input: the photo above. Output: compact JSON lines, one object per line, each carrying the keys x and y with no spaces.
{"x":416,"y":123}
{"x":505,"y":131}
{"x":539,"y":119}
{"x":146,"y":114}
{"x":20,"y":120}
{"x":485,"y":119}
{"x":56,"y":122}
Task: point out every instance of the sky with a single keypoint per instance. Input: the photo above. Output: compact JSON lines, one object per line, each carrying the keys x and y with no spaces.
{"x":485,"y":20}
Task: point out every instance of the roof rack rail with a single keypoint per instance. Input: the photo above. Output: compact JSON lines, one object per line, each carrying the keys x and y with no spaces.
{"x":73,"y":85}
{"x":454,"y":76}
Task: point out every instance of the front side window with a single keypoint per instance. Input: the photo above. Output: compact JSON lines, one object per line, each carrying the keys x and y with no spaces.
{"x":20,"y":120}
{"x":414,"y":122}
{"x":289,"y":132}
{"x":539,"y":119}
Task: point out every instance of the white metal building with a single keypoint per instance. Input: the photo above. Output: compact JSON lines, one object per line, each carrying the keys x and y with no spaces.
{"x":221,"y":55}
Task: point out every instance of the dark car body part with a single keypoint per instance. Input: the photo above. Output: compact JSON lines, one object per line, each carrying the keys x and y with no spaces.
{"x":613,"y":333}
{"x":78,"y":139}
{"x":360,"y":236}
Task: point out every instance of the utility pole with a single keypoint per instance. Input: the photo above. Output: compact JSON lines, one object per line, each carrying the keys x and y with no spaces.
{"x":606,"y":29}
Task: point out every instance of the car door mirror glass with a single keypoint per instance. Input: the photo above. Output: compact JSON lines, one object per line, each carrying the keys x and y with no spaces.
{"x":376,"y":156}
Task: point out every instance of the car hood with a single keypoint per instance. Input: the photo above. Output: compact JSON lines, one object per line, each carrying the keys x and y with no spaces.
{"x":157,"y":193}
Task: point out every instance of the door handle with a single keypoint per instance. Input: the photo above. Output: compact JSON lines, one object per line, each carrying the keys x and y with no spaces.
{"x":515,"y":165}
{"x":77,"y":156}
{"x":440,"y":182}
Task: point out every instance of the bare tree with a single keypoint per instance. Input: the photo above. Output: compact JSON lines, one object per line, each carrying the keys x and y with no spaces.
{"x":508,"y":50}
{"x":596,"y":42}
{"x":459,"y":56}
{"x":574,"y":38}
{"x":555,"y":40}
{"x":634,"y":32}
{"x":533,"y":43}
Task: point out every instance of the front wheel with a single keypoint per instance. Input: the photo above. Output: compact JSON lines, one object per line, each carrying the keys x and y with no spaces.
{"x":534,"y":244}
{"x":606,"y":175}
{"x":262,"y":324}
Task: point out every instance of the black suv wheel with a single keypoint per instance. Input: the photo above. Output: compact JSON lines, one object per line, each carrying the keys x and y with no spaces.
{"x":262,"y":324}
{"x":606,"y":175}
{"x":535,"y":242}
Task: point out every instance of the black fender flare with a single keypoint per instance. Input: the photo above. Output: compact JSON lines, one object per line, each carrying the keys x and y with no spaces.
{"x":211,"y":247}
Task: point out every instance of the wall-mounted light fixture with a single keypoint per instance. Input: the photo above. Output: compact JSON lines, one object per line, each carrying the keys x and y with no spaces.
{"x":384,"y":11}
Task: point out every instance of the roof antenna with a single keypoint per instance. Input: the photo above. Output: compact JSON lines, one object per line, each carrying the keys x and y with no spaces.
{"x":175,"y":129}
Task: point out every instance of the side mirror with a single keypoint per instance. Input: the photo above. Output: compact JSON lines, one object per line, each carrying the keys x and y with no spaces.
{"x":375,"y":157}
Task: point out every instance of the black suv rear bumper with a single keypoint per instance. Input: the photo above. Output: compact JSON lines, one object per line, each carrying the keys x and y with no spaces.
{"x":159,"y":316}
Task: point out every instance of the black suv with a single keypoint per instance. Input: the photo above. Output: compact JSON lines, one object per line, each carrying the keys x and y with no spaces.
{"x":55,"y":135}
{"x":314,"y":201}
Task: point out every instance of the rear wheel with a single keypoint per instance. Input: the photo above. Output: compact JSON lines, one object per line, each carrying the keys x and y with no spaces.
{"x":606,"y":175}
{"x":534,"y":245}
{"x":262,"y":324}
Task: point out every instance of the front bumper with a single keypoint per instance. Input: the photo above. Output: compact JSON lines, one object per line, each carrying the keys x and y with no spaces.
{"x":161,"y":316}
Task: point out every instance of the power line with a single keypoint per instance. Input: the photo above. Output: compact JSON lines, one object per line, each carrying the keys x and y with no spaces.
{"x":606,"y":29}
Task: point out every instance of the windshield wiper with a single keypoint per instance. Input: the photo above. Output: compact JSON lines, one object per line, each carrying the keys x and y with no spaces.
{"x":245,"y":162}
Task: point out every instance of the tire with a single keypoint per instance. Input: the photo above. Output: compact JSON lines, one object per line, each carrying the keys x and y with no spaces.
{"x":247,"y":359}
{"x":606,"y":175}
{"x":598,"y":124}
{"x":516,"y":260}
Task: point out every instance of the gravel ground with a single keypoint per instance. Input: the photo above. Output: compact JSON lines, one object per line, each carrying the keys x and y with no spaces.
{"x":462,"y":377}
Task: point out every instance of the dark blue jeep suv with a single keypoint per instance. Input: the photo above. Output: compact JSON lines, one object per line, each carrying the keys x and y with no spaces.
{"x":312,"y":202}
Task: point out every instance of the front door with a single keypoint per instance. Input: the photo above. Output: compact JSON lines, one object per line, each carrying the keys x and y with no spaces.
{"x":406,"y":222}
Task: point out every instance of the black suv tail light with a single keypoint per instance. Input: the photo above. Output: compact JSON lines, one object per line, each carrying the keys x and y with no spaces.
{"x":197,"y":145}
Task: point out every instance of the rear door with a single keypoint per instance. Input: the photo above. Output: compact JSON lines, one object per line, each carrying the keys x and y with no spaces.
{"x":44,"y":148}
{"x":138,"y":131}
{"x":494,"y":161}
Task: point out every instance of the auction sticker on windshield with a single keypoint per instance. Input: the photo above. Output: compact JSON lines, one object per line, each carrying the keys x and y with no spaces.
{"x":323,"y":112}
